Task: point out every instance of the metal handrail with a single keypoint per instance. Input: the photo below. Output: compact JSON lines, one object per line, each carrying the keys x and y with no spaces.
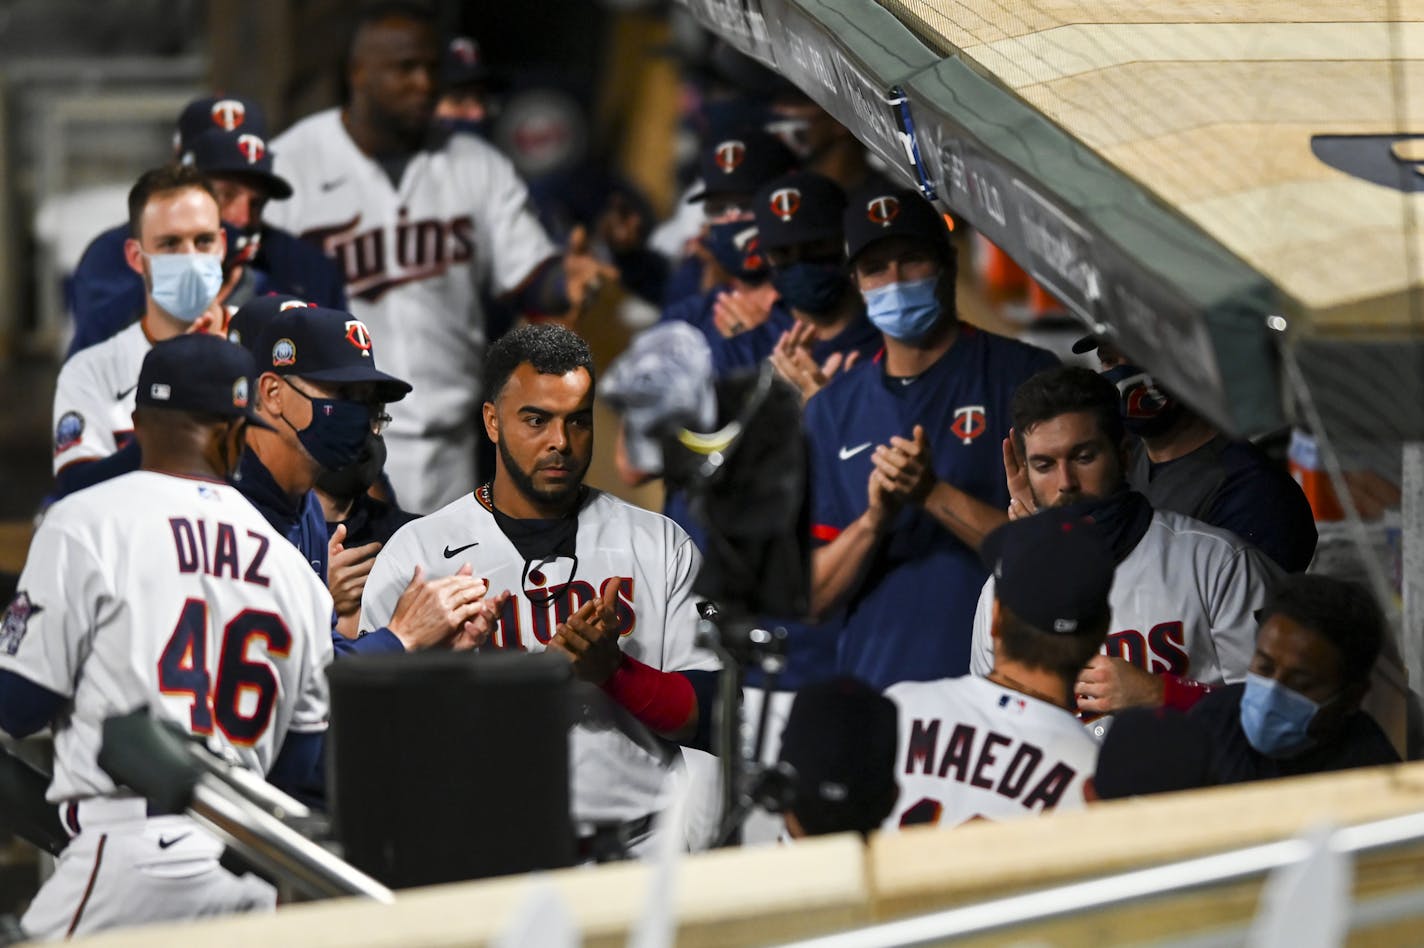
{"x":1106,"y":891}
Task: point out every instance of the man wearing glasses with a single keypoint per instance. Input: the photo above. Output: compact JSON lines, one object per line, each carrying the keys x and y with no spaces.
{"x":320,"y":391}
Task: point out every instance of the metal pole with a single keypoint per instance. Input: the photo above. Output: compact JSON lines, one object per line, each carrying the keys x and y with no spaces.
{"x":269,"y":844}
{"x":1411,"y":525}
{"x":1082,"y":897}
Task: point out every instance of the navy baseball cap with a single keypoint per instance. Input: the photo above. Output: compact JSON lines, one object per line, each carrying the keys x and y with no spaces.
{"x":238,"y":153}
{"x":463,"y":64}
{"x":325,"y":345}
{"x":876,"y":213}
{"x":229,"y":113}
{"x":798,"y":208}
{"x":199,"y":373}
{"x":1052,"y":569}
{"x":246,"y":325}
{"x":740,"y":161}
{"x":840,"y":740}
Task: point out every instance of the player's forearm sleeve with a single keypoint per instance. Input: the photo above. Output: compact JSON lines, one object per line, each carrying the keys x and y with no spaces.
{"x":88,"y":473}
{"x":25,"y":707}
{"x":664,"y":701}
{"x":300,"y":768}
{"x":1182,"y":693}
{"x":381,"y":641}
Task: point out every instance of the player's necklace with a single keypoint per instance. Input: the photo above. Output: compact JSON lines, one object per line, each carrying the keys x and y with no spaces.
{"x":999,"y":678}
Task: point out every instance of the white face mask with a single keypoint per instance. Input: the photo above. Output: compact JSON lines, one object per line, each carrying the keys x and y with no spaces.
{"x":185,"y":284}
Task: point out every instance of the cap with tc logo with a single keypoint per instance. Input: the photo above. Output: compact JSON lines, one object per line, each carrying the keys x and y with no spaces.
{"x":325,"y":345}
{"x":225,"y":112}
{"x":873,"y":214}
{"x":238,"y":152}
{"x":798,"y":208}
{"x":201,"y":374}
{"x":739,"y":162}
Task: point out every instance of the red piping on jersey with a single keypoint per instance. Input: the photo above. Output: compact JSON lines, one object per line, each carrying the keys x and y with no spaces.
{"x":88,"y":889}
{"x":824,"y":533}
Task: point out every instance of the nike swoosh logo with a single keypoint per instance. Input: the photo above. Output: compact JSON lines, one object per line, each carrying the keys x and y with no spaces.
{"x":848,"y":453}
{"x":165,"y":843}
{"x":459,"y":549}
{"x":120,"y":396}
{"x":333,"y":184}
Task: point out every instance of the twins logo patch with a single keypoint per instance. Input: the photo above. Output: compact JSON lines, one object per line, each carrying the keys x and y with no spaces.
{"x":284,"y":352}
{"x":969,"y":422}
{"x":785,"y":202}
{"x":729,"y":155}
{"x":359,"y":336}
{"x":16,"y":622}
{"x":882,"y":210}
{"x":68,"y":432}
{"x":252,"y":148}
{"x":228,"y":114}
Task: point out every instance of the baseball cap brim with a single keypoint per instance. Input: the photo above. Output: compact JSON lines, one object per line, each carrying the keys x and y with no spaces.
{"x":389,"y":388}
{"x":1086,"y":344}
{"x":276,"y":186}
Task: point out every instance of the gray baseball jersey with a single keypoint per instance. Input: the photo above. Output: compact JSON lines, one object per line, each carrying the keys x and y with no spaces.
{"x":618,"y":765}
{"x":1184,"y":601}
{"x":969,"y":748}
{"x":416,"y":258}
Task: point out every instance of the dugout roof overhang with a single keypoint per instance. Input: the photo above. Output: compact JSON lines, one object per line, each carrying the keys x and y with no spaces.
{"x":1227,"y":188}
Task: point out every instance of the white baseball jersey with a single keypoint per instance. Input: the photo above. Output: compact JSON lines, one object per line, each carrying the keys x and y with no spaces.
{"x":972,"y":749}
{"x":175,"y":593}
{"x":618,"y":766}
{"x":94,"y":398}
{"x":1184,"y":601}
{"x":416,"y":258}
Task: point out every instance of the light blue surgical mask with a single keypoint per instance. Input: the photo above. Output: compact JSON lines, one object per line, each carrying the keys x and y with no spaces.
{"x":904,"y":311}
{"x":1275,"y":718}
{"x":185,"y":284}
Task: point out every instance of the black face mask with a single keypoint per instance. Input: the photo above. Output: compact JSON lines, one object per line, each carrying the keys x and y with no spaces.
{"x":811,"y":286}
{"x":353,"y":480}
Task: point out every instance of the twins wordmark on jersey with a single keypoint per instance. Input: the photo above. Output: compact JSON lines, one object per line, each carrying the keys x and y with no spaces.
{"x":376,"y":259}
{"x":530,"y":616}
{"x":618,"y":767}
{"x":970,"y":749}
{"x":1183,"y":601}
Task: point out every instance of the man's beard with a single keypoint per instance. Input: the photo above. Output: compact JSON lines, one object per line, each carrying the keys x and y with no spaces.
{"x":524,"y":481}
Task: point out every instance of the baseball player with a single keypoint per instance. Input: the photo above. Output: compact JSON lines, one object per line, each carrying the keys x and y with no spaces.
{"x":607,"y":584}
{"x":161,"y":588}
{"x":1184,"y":595}
{"x":176,"y":248}
{"x":420,"y":226}
{"x":1008,"y":745}
{"x":225,"y":138}
{"x":800,"y":230}
{"x":905,"y":453}
{"x":1180,"y":462}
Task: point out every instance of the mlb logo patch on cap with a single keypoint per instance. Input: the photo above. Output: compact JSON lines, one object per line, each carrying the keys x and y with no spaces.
{"x":160,"y":392}
{"x":284,"y":352}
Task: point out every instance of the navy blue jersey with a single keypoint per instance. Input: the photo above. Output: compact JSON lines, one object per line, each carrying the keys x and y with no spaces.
{"x":108,"y":295}
{"x":911,"y":618}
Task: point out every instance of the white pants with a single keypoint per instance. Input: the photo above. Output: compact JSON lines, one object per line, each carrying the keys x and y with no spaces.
{"x":128,"y":869}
